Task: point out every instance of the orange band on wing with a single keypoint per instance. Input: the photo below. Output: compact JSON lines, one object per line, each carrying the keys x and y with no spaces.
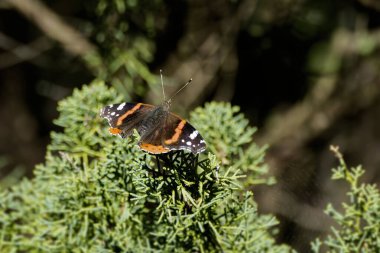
{"x":113,"y":130}
{"x":153,"y":149}
{"x":129,"y":112}
{"x":177,"y":133}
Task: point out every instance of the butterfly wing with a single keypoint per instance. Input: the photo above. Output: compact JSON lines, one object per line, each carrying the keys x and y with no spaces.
{"x":179,"y":134}
{"x":125,"y":117}
{"x":152,"y":142}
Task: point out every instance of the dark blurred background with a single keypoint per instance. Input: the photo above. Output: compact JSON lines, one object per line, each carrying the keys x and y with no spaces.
{"x":305,"y":72}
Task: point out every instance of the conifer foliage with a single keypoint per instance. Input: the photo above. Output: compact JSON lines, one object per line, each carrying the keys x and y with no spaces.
{"x":359,"y":221}
{"x":99,"y":193}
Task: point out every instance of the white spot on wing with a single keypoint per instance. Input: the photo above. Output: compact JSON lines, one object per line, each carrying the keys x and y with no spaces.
{"x":120,"y":107}
{"x":112,"y":113}
{"x":193,"y":135}
{"x":188,"y":143}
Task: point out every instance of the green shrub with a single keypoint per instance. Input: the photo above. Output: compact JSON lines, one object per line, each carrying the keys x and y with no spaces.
{"x":359,"y":222}
{"x":100,"y":193}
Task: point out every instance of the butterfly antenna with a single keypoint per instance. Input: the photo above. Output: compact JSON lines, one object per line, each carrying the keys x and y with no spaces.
{"x":162,"y":85}
{"x":183,"y":87}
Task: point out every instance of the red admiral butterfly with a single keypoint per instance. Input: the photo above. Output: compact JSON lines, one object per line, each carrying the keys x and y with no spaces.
{"x":160,"y":130}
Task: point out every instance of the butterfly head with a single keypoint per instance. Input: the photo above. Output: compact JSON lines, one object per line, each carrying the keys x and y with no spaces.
{"x":166,"y":104}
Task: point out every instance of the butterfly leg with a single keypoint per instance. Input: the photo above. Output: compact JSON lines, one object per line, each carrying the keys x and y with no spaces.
{"x":158,"y":164}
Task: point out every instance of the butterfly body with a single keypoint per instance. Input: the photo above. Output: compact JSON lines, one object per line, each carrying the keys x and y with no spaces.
{"x":160,"y":130}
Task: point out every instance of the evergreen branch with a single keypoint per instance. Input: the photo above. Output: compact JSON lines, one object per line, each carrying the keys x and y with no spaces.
{"x":100,"y":193}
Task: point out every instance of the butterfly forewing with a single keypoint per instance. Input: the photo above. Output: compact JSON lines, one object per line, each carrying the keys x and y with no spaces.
{"x":124,"y":117}
{"x":180,"y":134}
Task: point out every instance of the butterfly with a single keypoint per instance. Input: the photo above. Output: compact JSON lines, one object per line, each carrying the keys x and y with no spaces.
{"x":160,"y":130}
